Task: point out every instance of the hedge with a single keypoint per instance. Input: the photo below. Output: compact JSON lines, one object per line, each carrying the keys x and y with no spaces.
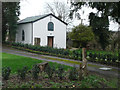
{"x":109,"y":59}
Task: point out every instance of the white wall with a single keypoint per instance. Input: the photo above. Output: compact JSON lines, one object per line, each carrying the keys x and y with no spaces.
{"x":40,"y":30}
{"x":28,"y":33}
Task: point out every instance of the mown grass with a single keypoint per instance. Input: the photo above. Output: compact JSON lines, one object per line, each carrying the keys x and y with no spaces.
{"x":16,"y":62}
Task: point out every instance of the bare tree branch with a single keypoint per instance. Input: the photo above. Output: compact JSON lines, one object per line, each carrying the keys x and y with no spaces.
{"x":61,"y":10}
{"x":50,"y":8}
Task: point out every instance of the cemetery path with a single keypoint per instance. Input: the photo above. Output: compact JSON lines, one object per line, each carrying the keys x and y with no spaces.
{"x":92,"y":67}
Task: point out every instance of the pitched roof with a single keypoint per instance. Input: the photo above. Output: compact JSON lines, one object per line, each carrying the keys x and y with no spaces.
{"x":36,"y":18}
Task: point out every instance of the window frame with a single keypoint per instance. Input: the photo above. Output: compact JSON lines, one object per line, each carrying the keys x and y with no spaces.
{"x":23,"y":35}
{"x":49,"y":27}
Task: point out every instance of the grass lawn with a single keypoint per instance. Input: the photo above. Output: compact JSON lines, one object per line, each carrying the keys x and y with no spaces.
{"x":16,"y":62}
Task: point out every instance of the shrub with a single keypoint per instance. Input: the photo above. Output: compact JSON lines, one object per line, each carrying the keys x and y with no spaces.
{"x":49,"y":70}
{"x":6,"y":42}
{"x":66,"y":53}
{"x":35,"y":71}
{"x":60,"y":71}
{"x":90,"y":55}
{"x":73,"y":74}
{"x":22,"y":73}
{"x":95,"y":55}
{"x":91,"y":80}
{"x":75,"y":54}
{"x":6,"y":72}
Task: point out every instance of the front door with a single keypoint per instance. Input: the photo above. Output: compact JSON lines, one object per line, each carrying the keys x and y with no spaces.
{"x":50,"y":41}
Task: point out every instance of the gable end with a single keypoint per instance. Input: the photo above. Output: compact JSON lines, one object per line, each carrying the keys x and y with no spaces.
{"x":42,"y":18}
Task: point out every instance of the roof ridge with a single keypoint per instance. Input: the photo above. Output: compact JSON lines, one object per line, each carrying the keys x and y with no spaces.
{"x":32,"y":19}
{"x":35,"y":16}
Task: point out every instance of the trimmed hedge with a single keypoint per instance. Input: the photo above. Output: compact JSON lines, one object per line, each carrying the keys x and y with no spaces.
{"x":66,"y":53}
{"x":109,"y":59}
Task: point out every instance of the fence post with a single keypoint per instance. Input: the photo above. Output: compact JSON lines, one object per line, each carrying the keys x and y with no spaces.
{"x":84,"y":61}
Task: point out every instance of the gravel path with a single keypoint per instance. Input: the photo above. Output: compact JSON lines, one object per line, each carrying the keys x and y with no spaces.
{"x":110,"y":73}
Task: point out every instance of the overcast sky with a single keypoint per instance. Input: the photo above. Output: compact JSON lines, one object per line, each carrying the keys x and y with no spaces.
{"x":37,"y":7}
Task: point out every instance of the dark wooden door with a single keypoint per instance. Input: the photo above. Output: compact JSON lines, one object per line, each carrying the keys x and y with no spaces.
{"x":50,"y":41}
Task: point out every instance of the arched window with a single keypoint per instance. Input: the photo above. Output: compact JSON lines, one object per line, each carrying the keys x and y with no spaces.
{"x":23,"y":35}
{"x":50,"y":26}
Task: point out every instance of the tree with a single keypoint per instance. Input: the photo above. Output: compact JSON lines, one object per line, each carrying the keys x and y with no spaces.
{"x":100,"y":27}
{"x":105,"y":9}
{"x":10,"y":13}
{"x":81,"y":34}
{"x":114,"y":40}
{"x":60,"y":9}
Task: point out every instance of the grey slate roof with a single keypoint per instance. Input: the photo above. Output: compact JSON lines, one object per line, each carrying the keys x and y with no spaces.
{"x":36,"y":18}
{"x":31,"y":19}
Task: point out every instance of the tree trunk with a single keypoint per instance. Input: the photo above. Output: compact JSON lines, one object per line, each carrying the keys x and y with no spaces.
{"x":84,"y":61}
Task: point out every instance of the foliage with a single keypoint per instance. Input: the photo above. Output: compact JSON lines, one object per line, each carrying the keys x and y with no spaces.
{"x":73,"y":74}
{"x":97,"y":56}
{"x":100,"y":29}
{"x":60,"y":71}
{"x":47,"y":49}
{"x":90,"y":81}
{"x":35,"y":71}
{"x":10,"y":13}
{"x":22,"y":72}
{"x":104,"y":10}
{"x":49,"y":70}
{"x":82,"y":34}
{"x":107,"y":8}
{"x":77,"y":54}
{"x":109,"y":59}
{"x":6,"y":72}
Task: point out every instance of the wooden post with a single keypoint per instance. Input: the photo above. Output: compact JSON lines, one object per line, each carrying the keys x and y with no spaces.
{"x":84,"y":62}
{"x":80,"y":72}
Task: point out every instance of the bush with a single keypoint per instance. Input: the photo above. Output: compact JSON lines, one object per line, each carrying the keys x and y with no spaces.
{"x":6,"y":72}
{"x":49,"y":70}
{"x":66,"y":53}
{"x":22,"y":73}
{"x":35,"y":71}
{"x":60,"y":71}
{"x":73,"y":74}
